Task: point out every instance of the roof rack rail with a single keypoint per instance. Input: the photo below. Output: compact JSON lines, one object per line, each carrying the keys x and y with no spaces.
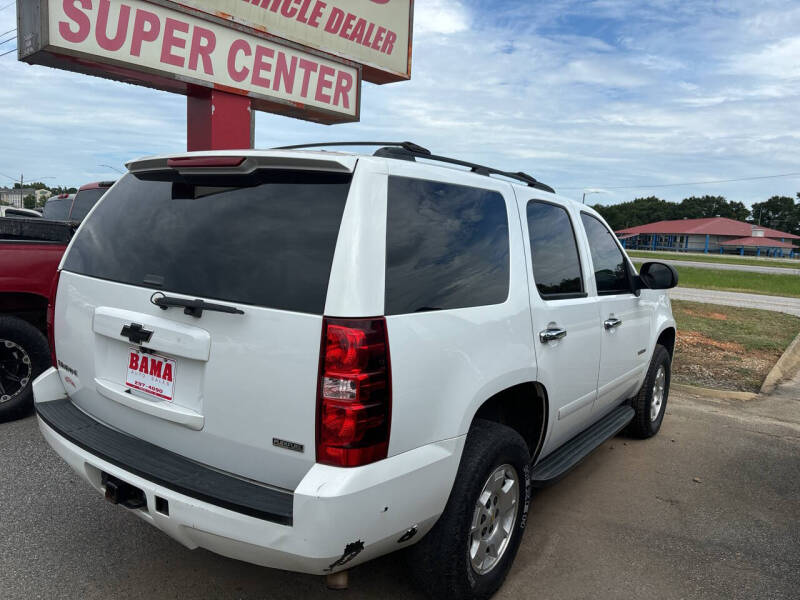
{"x":409,"y":146}
{"x":411,"y":151}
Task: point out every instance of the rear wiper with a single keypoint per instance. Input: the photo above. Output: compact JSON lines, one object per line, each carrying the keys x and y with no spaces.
{"x":192,"y":308}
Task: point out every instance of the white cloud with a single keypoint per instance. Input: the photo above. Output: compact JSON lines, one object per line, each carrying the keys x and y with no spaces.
{"x":780,"y":60}
{"x":591,"y":94}
{"x":444,"y":17}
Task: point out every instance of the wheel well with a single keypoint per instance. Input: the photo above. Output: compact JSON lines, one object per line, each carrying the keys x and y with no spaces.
{"x":523,"y":408}
{"x":667,"y":339}
{"x":28,"y":307}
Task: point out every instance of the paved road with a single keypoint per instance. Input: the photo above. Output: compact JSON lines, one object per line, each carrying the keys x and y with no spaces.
{"x":727,"y":267}
{"x":629,"y":522}
{"x":775,"y":303}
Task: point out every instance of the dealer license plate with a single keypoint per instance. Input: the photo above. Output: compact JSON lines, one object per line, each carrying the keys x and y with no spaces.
{"x":151,"y":373}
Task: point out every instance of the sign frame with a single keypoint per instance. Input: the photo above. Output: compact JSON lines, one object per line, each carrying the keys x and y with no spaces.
{"x":34,"y":47}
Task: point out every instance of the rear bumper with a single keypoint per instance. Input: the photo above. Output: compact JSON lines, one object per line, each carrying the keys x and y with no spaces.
{"x":335,"y":519}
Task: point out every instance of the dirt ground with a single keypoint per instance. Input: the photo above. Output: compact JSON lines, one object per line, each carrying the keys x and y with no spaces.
{"x":728,"y":348}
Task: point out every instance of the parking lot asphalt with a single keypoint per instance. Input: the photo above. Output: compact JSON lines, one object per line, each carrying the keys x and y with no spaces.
{"x":710,"y":508}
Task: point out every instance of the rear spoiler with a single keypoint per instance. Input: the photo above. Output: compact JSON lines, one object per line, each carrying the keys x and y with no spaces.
{"x":239,"y":163}
{"x":36,"y":230}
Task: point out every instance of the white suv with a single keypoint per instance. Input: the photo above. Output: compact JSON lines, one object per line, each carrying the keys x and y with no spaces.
{"x":307,"y":359}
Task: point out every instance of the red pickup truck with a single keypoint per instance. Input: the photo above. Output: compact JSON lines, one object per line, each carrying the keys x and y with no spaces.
{"x":30,"y":251}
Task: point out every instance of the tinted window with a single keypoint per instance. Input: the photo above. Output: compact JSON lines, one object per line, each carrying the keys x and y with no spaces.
{"x":266,"y":239}
{"x":610,"y":268}
{"x":556,"y":265}
{"x":446,"y":247}
{"x":57,"y":209}
{"x":84,"y":202}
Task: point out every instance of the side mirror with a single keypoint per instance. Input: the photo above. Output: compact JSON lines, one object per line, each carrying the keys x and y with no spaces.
{"x":657,"y":276}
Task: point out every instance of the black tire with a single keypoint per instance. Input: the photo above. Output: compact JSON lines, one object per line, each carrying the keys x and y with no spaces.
{"x":24,"y":355}
{"x":440,"y":563}
{"x":643,"y":426}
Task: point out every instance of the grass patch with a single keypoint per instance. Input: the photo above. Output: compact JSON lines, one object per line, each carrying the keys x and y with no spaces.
{"x":728,"y":348}
{"x":718,"y":258}
{"x":770,"y":284}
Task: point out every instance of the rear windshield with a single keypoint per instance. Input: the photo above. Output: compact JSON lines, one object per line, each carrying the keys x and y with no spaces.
{"x":84,"y":202}
{"x":57,"y":209}
{"x":266,"y":239}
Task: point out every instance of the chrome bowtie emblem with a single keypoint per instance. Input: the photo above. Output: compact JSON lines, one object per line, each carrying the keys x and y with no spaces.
{"x":136,"y":333}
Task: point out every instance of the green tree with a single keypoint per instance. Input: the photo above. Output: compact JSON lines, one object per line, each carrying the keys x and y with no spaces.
{"x":63,"y":190}
{"x":29,"y":201}
{"x":37,"y":185}
{"x":637,"y":212}
{"x":779,"y":212}
{"x":739,"y":211}
{"x":704,"y":207}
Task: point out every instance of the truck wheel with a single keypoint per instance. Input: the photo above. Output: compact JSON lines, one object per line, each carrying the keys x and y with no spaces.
{"x":24,"y":355}
{"x":469,"y":551}
{"x":650,"y":403}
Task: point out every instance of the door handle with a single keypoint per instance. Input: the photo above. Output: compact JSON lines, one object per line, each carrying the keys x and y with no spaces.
{"x":551,"y":334}
{"x":612,"y":322}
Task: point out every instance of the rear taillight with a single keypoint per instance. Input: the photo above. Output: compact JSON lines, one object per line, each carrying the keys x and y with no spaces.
{"x":355,"y":392}
{"x":51,"y":311}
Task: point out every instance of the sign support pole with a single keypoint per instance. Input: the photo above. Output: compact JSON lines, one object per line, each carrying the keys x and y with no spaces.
{"x":218,"y":120}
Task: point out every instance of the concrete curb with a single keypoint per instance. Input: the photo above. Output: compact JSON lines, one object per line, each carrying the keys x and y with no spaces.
{"x":710,"y":393}
{"x":787,"y":366}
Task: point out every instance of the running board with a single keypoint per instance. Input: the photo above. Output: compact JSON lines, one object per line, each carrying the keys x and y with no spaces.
{"x":574,"y":451}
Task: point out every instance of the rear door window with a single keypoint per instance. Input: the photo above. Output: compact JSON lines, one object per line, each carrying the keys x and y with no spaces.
{"x":446,"y":246}
{"x":610,"y":268}
{"x":556,"y":264}
{"x":266,"y":239}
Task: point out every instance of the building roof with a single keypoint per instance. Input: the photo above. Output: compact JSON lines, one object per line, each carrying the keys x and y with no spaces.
{"x":756,"y":242}
{"x":709,"y":226}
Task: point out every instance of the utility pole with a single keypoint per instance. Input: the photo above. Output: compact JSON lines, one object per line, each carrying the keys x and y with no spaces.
{"x":21,"y":184}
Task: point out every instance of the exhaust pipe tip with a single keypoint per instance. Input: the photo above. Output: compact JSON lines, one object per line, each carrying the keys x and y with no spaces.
{"x":338,"y":581}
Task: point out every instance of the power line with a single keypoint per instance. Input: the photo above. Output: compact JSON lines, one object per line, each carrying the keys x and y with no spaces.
{"x":9,"y":52}
{"x":666,"y":185}
{"x":9,"y":31}
{"x":10,"y":4}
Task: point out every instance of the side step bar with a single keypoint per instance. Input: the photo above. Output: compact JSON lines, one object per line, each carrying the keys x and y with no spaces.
{"x":570,"y":454}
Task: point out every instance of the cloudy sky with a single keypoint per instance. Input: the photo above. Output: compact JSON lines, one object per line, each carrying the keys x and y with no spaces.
{"x":581,"y":94}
